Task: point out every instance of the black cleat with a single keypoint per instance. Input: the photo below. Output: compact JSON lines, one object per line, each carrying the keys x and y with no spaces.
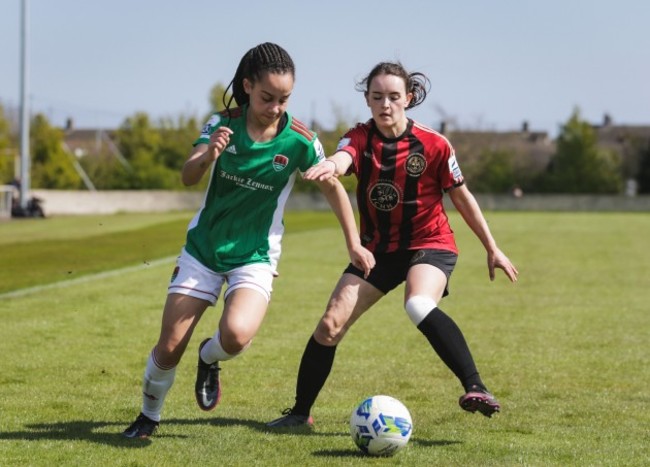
{"x":207,"y":388}
{"x":479,"y":399}
{"x":291,"y":420}
{"x":142,"y":428}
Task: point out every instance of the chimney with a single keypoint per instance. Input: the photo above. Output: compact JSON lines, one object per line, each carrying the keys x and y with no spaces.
{"x":524,"y":126}
{"x":443,"y":127}
{"x":69,"y":123}
{"x":607,"y":120}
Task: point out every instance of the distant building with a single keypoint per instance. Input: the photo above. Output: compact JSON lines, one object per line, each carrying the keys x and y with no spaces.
{"x":626,"y":140}
{"x":92,"y":142}
{"x":532,"y":149}
{"x":88,"y":141}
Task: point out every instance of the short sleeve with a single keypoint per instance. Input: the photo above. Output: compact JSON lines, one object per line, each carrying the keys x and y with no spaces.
{"x":451,"y":175}
{"x":316,"y":154}
{"x":353,"y":142}
{"x":212,"y":124}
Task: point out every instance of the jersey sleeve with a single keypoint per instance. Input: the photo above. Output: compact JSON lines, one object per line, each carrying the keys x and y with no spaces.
{"x":315,"y":154}
{"x":212,"y":124}
{"x":354,"y":142}
{"x":450,"y":174}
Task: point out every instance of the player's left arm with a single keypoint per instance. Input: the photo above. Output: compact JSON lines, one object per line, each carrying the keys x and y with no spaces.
{"x":338,"y":199}
{"x":470,"y":211}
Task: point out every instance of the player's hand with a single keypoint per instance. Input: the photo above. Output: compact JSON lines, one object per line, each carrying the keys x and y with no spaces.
{"x":497,"y":259}
{"x":218,"y":141}
{"x":362,"y":259}
{"x":321,"y":171}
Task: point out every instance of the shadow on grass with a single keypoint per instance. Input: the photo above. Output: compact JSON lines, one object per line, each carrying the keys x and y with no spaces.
{"x":110,"y":433}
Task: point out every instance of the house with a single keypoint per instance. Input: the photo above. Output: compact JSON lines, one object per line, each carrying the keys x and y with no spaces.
{"x":628,"y":141}
{"x":88,"y":141}
{"x":532,"y":149}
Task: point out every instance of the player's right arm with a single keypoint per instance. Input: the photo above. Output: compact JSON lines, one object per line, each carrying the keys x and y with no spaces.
{"x":335,"y":165}
{"x":203,"y":155}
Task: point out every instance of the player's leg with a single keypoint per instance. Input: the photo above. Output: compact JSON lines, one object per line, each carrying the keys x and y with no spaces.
{"x":180,"y":316}
{"x":425,"y":286}
{"x":192,"y":289}
{"x":351,"y":297}
{"x":246,"y":303}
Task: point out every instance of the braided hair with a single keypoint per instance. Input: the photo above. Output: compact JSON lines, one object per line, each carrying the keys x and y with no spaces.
{"x":416,"y":82}
{"x":263,"y":58}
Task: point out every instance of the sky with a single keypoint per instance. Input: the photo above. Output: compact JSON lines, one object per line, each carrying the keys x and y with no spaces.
{"x":492,"y":64}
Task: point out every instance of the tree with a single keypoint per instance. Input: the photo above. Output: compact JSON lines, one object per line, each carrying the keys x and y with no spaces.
{"x":51,"y":165}
{"x":7,"y":149}
{"x":155,"y":154}
{"x":330,"y":140}
{"x":494,"y":172}
{"x":137,"y":135}
{"x":176,"y":138}
{"x":140,"y":143}
{"x":643,"y":177}
{"x":217,"y":100}
{"x":106,"y":172}
{"x":578,"y":166}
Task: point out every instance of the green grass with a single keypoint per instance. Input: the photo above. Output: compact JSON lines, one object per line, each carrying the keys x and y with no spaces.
{"x":565,"y":349}
{"x":38,"y":251}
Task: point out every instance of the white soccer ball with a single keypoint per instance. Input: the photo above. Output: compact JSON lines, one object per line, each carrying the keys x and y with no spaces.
{"x":381,"y":425}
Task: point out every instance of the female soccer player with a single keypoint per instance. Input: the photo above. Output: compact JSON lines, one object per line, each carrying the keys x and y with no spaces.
{"x":403,"y":168}
{"x":255,"y":151}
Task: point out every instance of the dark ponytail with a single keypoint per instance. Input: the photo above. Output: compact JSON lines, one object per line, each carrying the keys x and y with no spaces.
{"x":263,"y":58}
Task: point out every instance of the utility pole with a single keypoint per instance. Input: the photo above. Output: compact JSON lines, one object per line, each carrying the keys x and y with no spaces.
{"x":24,"y":110}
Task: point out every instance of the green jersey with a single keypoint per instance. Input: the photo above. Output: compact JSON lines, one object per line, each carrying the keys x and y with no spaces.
{"x":240,"y":221}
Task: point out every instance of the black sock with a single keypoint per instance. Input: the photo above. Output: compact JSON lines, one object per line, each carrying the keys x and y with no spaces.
{"x":449,"y":343}
{"x":315,"y":367}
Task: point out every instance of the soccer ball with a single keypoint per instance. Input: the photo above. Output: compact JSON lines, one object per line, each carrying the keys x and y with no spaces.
{"x":381,"y":426}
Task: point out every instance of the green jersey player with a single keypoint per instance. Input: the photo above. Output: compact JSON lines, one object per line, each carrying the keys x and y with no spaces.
{"x":254,"y":152}
{"x":241,"y":220}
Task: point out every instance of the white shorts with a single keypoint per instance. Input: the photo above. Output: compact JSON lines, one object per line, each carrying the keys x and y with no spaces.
{"x":192,"y":278}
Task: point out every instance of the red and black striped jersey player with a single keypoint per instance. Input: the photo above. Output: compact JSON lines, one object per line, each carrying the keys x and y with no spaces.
{"x":403,"y":170}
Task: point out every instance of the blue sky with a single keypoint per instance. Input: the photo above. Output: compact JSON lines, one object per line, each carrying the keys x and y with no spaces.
{"x":492,"y":64}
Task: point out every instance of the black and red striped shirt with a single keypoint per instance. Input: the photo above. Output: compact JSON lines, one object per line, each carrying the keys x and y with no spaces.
{"x":401,"y":182}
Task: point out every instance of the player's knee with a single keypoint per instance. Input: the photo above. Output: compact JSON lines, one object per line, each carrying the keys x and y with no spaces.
{"x":236,"y":345}
{"x":327,"y":333}
{"x":418,"y":307}
{"x":167,"y":355}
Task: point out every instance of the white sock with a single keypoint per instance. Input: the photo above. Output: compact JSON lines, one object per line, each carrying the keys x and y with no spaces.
{"x":155,"y":385}
{"x":212,"y":351}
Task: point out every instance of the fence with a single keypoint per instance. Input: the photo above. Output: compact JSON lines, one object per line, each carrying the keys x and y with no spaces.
{"x":6,"y":197}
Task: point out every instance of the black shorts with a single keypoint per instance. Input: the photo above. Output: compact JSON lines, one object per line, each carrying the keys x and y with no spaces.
{"x":391,"y":268}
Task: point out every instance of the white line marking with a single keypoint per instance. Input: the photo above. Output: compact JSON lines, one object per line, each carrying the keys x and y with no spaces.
{"x":86,"y":278}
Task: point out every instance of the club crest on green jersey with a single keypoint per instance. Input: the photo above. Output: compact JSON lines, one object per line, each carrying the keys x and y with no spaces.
{"x":280,"y":162}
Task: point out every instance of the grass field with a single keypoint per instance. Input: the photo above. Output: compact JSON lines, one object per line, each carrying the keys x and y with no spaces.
{"x":565,"y":349}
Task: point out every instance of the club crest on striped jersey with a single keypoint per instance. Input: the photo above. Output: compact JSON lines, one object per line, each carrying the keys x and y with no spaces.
{"x":415,"y":164}
{"x":280,"y":161}
{"x":384,"y":195}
